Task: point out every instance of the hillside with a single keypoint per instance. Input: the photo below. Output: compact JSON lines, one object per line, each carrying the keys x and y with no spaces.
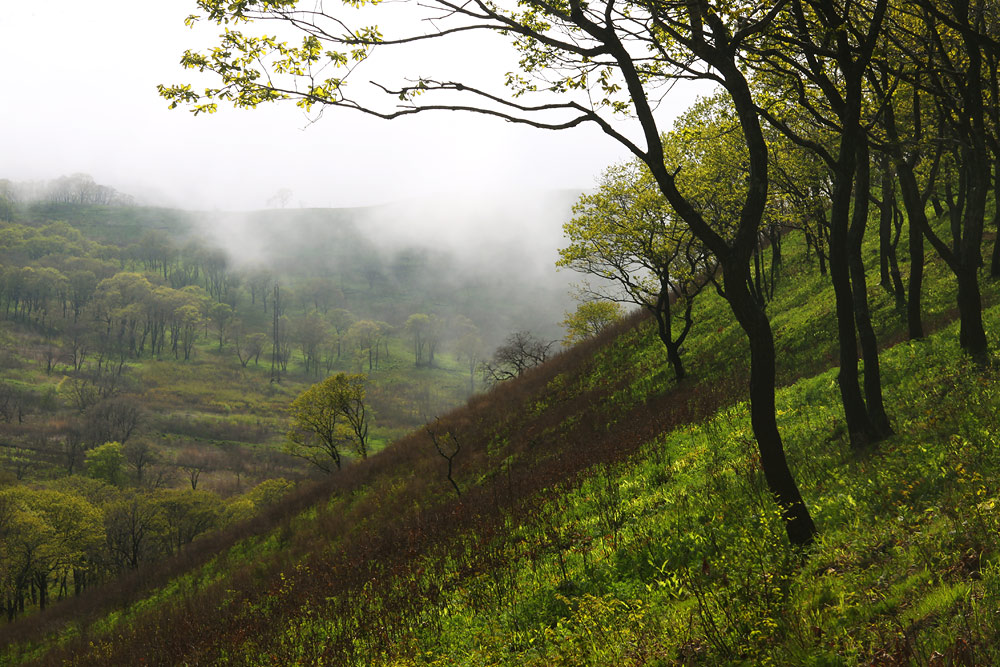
{"x":147,"y":368}
{"x":601,"y":514}
{"x":349,"y":281}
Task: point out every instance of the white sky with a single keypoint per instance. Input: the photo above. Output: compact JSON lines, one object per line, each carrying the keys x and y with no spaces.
{"x":78,"y":94}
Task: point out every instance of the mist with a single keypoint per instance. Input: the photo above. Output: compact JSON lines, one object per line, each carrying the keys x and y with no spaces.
{"x":456,"y":247}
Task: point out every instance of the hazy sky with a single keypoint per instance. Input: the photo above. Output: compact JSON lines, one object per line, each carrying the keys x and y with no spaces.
{"x":79,"y":95}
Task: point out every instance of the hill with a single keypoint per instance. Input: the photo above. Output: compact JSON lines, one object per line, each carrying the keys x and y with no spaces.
{"x":147,"y":368}
{"x":593,"y":512}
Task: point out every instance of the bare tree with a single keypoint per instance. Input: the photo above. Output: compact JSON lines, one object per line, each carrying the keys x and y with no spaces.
{"x":113,"y":420}
{"x":140,"y":455}
{"x":448,"y":446}
{"x":520,"y":351}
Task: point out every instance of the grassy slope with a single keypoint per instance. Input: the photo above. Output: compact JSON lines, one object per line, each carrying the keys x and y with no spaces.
{"x":606,"y":522}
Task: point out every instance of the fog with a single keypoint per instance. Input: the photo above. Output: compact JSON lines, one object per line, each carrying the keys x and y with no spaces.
{"x":80,"y":96}
{"x":504,"y":244}
{"x":82,"y":99}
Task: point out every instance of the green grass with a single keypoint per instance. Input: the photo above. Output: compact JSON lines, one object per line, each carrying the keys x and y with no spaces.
{"x":698,"y":566}
{"x":669,"y":552}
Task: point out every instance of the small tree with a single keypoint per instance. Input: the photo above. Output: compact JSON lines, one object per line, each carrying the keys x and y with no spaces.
{"x":328,"y":417}
{"x":448,"y":446}
{"x":114,"y":419}
{"x":107,"y":463}
{"x":626,"y":235}
{"x":520,"y":351}
{"x":193,"y":462}
{"x":469,"y":347}
{"x":589,"y":319}
{"x":139,"y":455}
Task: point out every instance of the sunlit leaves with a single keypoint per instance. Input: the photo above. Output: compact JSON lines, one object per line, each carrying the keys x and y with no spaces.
{"x":254,"y":69}
{"x":328,"y":417}
{"x":626,"y":233}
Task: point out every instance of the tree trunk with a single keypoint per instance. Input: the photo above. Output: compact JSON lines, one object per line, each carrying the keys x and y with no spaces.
{"x":914,"y":321}
{"x":664,"y":329}
{"x":862,"y":314}
{"x":972,"y":335}
{"x":860,"y":429}
{"x":916,"y":215}
{"x":888,"y":236}
{"x":798,"y":523}
{"x":734,"y":258}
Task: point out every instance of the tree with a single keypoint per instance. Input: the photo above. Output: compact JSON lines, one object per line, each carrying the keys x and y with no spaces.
{"x":469,"y":347}
{"x":340,"y":321}
{"x":131,"y":525}
{"x":140,"y":455}
{"x":448,"y":447}
{"x":521,"y":350}
{"x":260,"y":282}
{"x":280,"y":198}
{"x":625,"y":234}
{"x":369,"y":336}
{"x":249,"y":345}
{"x":49,"y":535}
{"x":319,"y":294}
{"x":310,"y":332}
{"x":589,"y":319}
{"x":949,"y":51}
{"x":156,"y":251}
{"x":327,"y":418}
{"x":193,"y":462}
{"x":221,"y":316}
{"x":426,"y":331}
{"x":831,"y":74}
{"x":107,"y":463}
{"x":269,"y":492}
{"x":186,"y":515}
{"x":113,"y":420}
{"x":587,"y":63}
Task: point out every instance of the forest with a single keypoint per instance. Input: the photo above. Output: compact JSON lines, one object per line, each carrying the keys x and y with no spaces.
{"x":771,"y":437}
{"x":149,"y":372}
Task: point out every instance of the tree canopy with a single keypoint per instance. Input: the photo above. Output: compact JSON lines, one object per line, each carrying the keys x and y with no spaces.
{"x":328,"y":418}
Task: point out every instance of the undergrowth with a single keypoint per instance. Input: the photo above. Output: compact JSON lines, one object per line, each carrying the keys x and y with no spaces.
{"x":610,"y":516}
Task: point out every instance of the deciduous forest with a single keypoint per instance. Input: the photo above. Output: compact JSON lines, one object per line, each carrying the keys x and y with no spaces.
{"x":767,"y":436}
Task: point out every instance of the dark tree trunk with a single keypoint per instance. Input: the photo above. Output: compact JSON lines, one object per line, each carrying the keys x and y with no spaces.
{"x":994,"y":109}
{"x":862,"y":314}
{"x":885,"y":232}
{"x":734,"y":258}
{"x":972,"y":335}
{"x":914,"y":321}
{"x":798,"y":523}
{"x":936,"y":203}
{"x":916,"y":214}
{"x":888,"y":237}
{"x":664,"y":329}
{"x":860,"y":429}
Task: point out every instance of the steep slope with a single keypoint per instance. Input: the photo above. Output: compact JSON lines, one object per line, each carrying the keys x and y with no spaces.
{"x":607,"y":516}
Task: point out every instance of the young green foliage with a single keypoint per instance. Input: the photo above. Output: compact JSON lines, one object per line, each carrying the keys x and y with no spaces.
{"x":328,"y":417}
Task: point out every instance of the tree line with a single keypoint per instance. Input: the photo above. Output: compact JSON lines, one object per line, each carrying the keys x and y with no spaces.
{"x":73,"y":189}
{"x":57,"y":541}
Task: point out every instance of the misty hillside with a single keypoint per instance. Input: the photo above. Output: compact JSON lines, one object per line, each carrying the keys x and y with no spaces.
{"x":595,"y":512}
{"x":151,"y":359}
{"x":755,"y":421}
{"x":477,"y":255}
